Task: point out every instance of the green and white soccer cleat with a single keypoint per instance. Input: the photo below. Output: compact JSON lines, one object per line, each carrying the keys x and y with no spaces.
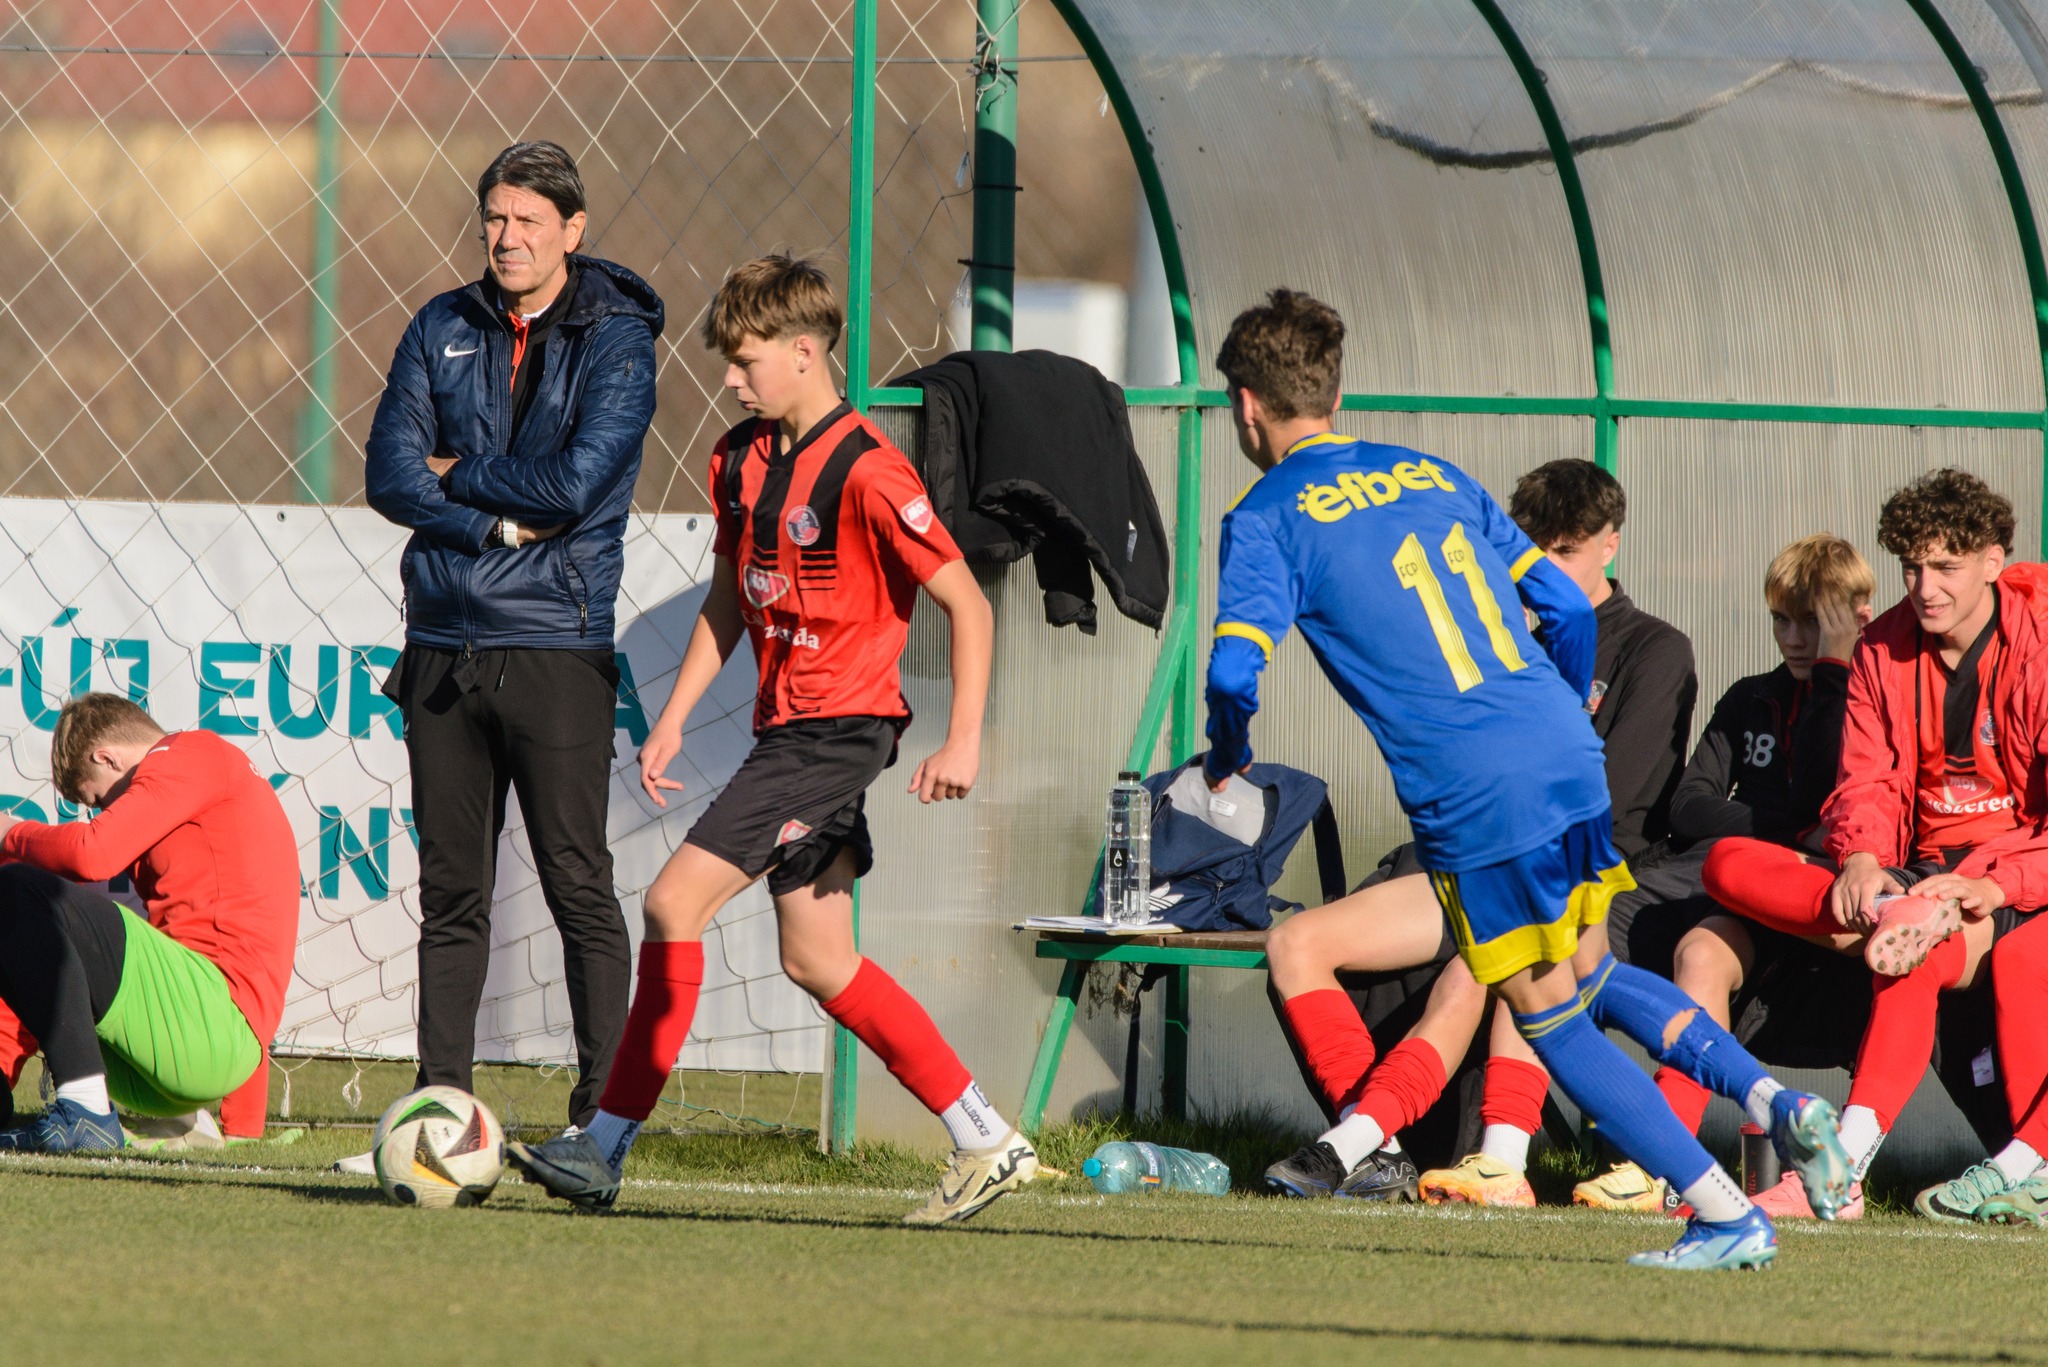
{"x":2025,"y":1204}
{"x":1806,"y":1131}
{"x":1964,"y":1200}
{"x":974,"y":1180}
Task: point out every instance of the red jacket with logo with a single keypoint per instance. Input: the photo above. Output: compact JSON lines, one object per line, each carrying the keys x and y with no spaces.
{"x":1871,"y":809}
{"x":831,"y":540}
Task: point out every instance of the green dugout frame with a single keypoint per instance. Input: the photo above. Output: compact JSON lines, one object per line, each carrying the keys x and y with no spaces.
{"x":1172,"y":700}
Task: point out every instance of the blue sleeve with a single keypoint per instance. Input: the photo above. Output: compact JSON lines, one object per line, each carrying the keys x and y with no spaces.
{"x":611,"y":423}
{"x":1257,"y":598}
{"x":1562,"y":612}
{"x":396,"y":480}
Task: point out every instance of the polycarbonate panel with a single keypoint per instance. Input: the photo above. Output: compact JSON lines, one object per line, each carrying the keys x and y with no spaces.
{"x":1382,"y":156}
{"x":2010,"y":49}
{"x":1794,"y":202}
{"x":1711,"y":502}
{"x":951,"y":879}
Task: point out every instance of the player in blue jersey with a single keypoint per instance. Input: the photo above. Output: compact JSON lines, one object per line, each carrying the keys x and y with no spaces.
{"x":1409,"y":582}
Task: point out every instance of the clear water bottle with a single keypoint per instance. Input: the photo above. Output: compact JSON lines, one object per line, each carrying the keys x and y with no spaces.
{"x":1120,"y":1167}
{"x":1127,"y":853}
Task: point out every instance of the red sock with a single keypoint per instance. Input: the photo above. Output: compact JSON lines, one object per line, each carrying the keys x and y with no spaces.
{"x":889,"y":1021}
{"x":245,"y":1111}
{"x":671,"y":971}
{"x":1407,"y":1083}
{"x":1898,"y":1043}
{"x":1770,"y":885}
{"x":1514,"y":1094}
{"x":1687,"y":1099}
{"x":1334,"y":1040}
{"x":2019,"y":979}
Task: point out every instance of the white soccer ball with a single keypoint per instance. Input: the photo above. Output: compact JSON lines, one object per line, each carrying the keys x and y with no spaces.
{"x":438,"y":1147}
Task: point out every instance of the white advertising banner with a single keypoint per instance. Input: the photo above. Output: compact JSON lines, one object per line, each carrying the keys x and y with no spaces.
{"x":274,"y":627}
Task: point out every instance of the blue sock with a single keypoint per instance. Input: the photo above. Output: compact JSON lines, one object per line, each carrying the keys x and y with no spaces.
{"x":1617,"y":1095}
{"x":1642,"y":1006}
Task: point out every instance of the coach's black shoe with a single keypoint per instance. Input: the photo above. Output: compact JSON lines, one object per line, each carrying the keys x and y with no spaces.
{"x":570,"y":1166}
{"x":65,"y":1127}
{"x":1382,"y":1176}
{"x":1314,"y":1170}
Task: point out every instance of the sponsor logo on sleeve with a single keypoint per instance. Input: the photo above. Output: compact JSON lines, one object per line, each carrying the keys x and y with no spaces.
{"x":917,"y":514}
{"x":802,"y":525}
{"x":763,"y":587}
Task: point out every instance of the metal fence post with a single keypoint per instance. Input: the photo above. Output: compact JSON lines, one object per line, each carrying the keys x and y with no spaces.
{"x":992,"y":272}
{"x":313,"y":480}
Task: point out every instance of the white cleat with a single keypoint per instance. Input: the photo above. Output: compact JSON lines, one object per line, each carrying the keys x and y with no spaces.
{"x":975,"y":1180}
{"x":357,"y":1165}
{"x":195,"y":1132}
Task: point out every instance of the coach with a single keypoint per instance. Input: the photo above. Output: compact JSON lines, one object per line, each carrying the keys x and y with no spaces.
{"x":508,"y":439}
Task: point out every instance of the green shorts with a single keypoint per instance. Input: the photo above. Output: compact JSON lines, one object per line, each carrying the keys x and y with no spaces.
{"x":173,"y":1038}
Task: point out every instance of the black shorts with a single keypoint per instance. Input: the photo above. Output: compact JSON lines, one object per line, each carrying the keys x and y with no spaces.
{"x":799,"y":799}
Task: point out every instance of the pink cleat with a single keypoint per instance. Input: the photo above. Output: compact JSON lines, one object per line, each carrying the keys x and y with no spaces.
{"x":1908,"y":929}
{"x":1787,"y":1201}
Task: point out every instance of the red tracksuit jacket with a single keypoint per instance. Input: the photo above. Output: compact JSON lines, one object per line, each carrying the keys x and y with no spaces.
{"x":1871,"y":809}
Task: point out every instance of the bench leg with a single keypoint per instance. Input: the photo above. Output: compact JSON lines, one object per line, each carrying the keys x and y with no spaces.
{"x":1051,"y":1046}
{"x":1174,"y":1042}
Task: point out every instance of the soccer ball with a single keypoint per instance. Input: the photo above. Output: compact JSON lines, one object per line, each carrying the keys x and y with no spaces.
{"x":438,"y":1147}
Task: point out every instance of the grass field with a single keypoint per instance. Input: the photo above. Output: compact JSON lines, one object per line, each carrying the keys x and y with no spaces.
{"x":733,"y":1248}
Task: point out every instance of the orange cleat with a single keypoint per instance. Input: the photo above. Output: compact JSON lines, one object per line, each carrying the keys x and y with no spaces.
{"x":1908,"y":929}
{"x":1787,"y":1201}
{"x":1477,"y":1181}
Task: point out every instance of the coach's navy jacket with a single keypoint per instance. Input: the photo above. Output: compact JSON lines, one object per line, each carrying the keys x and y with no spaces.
{"x":573,"y":464}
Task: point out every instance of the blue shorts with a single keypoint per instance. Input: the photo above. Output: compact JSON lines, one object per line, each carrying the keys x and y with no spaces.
{"x":1530,"y":910}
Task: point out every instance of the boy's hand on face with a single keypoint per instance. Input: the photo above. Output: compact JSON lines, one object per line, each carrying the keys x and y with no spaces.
{"x":949,"y":773}
{"x":1979,"y":897}
{"x":1853,"y":897}
{"x":1841,"y":624}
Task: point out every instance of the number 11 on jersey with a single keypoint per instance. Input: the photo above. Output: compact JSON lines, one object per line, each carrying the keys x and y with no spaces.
{"x":1411,"y":565}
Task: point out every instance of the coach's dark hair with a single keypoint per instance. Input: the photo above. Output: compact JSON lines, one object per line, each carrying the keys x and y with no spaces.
{"x":542,"y":167}
{"x":1289,"y":351}
{"x":1948,"y":510}
{"x":1562,"y":502}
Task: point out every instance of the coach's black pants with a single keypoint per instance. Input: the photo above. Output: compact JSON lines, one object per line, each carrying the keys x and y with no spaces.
{"x":62,"y":949}
{"x":538,"y":722}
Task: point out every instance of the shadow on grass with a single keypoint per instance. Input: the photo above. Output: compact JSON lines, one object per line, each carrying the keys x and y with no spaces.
{"x":1535,"y":1339}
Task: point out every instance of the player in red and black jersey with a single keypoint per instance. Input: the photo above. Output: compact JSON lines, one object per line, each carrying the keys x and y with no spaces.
{"x":825,"y":536}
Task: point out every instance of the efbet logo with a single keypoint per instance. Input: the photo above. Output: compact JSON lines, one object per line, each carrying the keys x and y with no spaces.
{"x":1360,"y":489}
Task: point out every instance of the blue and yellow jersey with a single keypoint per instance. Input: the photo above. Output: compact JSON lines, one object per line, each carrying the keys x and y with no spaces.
{"x":1408,"y":582}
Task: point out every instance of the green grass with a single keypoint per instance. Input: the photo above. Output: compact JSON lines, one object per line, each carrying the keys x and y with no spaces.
{"x":740,"y":1248}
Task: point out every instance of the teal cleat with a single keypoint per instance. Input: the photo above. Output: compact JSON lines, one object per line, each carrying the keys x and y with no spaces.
{"x":1806,"y":1132}
{"x":2025,"y":1204}
{"x":1968,"y":1199}
{"x":1706,"y":1246}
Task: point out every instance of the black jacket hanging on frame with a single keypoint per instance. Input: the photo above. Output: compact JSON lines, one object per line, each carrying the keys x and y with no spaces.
{"x":1030,"y":453}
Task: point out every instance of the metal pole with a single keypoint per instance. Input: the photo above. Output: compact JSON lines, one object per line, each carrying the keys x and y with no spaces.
{"x":315,"y":466}
{"x":993,"y":270}
{"x":860,"y":256}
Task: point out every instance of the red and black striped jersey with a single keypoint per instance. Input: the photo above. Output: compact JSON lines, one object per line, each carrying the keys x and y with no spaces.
{"x":831,"y":540}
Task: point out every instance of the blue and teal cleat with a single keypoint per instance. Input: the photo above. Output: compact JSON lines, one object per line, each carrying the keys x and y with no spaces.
{"x":65,"y":1127}
{"x":1726,"y":1246}
{"x":1807,"y":1134}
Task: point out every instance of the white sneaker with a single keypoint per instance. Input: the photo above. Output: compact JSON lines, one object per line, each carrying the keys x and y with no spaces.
{"x":357,"y":1165}
{"x":974,"y":1180}
{"x":195,"y":1132}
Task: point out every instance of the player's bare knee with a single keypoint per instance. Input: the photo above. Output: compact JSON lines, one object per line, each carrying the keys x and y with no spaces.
{"x":1675,"y":1027}
{"x":1705,"y":963}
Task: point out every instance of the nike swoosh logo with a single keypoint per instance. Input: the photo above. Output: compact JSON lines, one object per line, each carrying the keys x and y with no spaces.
{"x":451,"y":353}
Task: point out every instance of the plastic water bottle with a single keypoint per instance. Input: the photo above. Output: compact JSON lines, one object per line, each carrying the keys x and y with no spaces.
{"x":1123,"y":1167}
{"x":1127,"y":853}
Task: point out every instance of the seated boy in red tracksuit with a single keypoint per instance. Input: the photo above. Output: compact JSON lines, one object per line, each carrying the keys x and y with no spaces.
{"x":1945,"y":730}
{"x":160,"y":1015}
{"x":825,"y":536}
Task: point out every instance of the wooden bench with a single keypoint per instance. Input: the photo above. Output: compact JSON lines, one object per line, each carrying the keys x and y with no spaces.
{"x":1177,"y":954}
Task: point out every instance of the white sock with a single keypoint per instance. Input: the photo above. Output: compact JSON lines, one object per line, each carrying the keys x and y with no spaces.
{"x":89,"y":1092}
{"x":1506,"y":1144}
{"x":1715,"y":1197}
{"x":973,"y":1124}
{"x":1391,"y":1144}
{"x":1758,"y":1104}
{"x":1861,"y":1137}
{"x":2017,"y":1161}
{"x":614,"y":1135}
{"x":1355,"y":1139}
